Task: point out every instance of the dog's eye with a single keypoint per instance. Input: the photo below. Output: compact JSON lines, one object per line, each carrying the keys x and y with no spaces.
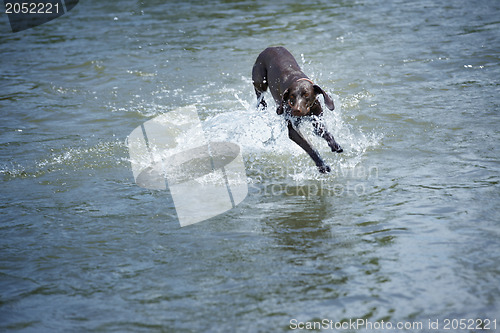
{"x":306,"y":95}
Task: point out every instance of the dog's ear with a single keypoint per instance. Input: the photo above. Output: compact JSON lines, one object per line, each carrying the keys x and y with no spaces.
{"x":328,"y":99}
{"x":284,"y":98}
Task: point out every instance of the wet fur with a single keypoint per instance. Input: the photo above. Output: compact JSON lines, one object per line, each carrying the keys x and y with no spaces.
{"x":295,"y":95}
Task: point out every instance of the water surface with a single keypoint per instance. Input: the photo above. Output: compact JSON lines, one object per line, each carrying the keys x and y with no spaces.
{"x":404,"y":229}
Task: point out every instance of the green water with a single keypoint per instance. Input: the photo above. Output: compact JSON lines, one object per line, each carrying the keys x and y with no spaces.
{"x":405,"y":229}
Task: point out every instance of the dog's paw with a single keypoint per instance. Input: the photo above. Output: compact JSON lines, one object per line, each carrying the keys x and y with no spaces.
{"x":337,"y":149}
{"x":324,"y":169}
{"x":262,"y":105}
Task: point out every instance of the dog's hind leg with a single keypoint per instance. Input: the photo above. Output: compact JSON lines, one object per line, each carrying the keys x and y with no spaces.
{"x":259,"y":78}
{"x":260,"y":99}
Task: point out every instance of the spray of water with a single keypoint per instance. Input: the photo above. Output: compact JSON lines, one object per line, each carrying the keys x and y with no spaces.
{"x":263,"y":137}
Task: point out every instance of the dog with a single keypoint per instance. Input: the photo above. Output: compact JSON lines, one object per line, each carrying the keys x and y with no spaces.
{"x":295,"y":96}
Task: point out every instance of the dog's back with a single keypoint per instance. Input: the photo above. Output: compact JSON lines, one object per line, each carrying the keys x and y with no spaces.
{"x":275,"y":68}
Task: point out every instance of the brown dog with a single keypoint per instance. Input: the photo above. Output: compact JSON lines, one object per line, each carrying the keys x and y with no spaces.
{"x":295,"y":95}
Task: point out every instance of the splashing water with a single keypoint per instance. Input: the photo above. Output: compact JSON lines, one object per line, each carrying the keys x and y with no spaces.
{"x":263,"y":137}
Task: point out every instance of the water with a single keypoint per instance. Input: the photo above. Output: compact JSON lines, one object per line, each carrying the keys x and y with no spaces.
{"x":404,"y":229}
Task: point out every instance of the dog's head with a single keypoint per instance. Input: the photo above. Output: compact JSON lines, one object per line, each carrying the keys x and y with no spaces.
{"x":300,"y":98}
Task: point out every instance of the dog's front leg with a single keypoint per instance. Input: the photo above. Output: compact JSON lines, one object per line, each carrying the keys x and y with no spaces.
{"x":320,"y":130}
{"x":296,"y":137}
